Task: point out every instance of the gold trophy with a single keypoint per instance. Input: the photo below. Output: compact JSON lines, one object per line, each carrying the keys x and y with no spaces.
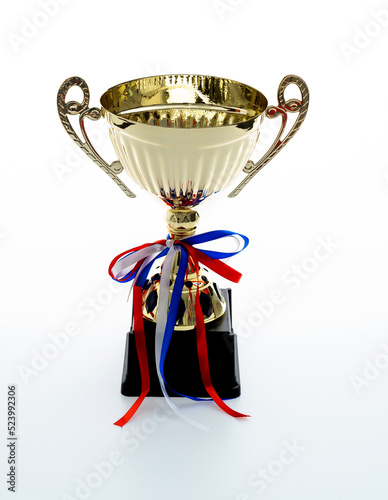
{"x":183,"y":138}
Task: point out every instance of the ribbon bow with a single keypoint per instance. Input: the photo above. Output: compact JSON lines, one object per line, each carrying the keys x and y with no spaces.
{"x":134,"y":265}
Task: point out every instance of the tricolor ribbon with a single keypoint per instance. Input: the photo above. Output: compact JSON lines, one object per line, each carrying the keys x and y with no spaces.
{"x":134,"y":265}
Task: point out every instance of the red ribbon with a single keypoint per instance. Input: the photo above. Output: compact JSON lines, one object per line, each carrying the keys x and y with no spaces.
{"x":141,"y":349}
{"x":203,"y":358}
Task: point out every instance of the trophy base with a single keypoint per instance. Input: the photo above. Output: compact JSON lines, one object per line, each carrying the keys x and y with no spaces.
{"x":182,"y":372}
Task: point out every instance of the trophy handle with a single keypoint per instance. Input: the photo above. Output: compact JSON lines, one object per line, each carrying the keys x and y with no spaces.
{"x":82,"y":109}
{"x":292,"y":106}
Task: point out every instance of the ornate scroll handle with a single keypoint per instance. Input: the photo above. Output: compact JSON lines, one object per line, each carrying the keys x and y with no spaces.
{"x":82,"y":109}
{"x":292,"y":106}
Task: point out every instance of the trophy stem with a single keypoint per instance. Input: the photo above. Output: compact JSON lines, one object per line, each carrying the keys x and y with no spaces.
{"x":181,"y":222}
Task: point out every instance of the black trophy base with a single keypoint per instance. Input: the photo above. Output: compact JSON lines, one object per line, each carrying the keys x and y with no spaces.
{"x":182,"y":372}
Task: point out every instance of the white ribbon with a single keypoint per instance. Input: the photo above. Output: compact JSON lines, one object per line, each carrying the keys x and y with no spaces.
{"x":164,"y":296}
{"x":127,"y":263}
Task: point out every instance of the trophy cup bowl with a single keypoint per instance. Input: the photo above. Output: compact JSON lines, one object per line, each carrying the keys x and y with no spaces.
{"x":184,"y":138}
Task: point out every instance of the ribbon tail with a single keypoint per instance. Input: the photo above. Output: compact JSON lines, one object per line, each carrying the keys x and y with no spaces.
{"x":204,"y":363}
{"x":142,"y":355}
{"x":203,"y":357}
{"x":217,"y":266}
{"x":127,"y":417}
{"x":165,"y":327}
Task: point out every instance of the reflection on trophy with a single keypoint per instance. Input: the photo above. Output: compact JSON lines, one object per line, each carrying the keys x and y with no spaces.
{"x":183,"y":138}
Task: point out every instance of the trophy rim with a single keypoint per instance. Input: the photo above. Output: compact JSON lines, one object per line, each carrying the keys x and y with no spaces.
{"x":242,"y":124}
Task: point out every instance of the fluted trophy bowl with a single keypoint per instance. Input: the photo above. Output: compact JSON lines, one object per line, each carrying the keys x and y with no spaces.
{"x":183,"y":137}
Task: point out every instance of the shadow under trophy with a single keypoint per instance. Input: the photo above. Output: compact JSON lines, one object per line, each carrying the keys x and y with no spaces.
{"x":182,"y":138}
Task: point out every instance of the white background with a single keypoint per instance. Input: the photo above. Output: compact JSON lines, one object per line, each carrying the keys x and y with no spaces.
{"x":308,"y":367}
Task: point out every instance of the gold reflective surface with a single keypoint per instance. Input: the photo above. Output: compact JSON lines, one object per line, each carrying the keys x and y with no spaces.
{"x":184,"y":101}
{"x":212,"y":302}
{"x":183,"y":137}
